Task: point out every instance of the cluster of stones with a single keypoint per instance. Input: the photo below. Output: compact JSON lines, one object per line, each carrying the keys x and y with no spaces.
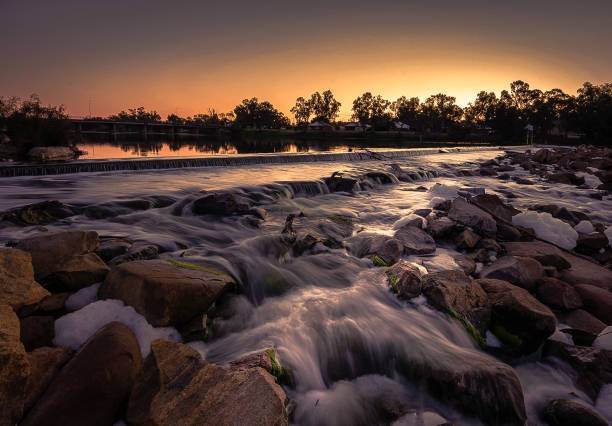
{"x":106,"y":378}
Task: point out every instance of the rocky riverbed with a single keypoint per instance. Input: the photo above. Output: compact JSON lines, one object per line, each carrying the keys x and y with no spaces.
{"x":449,"y":289}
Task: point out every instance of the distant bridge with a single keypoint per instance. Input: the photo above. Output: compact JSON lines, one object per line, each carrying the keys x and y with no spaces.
{"x":117,"y":129}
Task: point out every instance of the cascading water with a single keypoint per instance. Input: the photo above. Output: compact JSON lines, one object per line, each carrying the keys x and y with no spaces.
{"x":352,"y":346}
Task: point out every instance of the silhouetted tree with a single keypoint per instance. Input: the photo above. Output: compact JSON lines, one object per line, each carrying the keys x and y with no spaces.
{"x":373,"y":110}
{"x":302,"y":110}
{"x":136,"y":114}
{"x":440,"y":112}
{"x":408,"y":111}
{"x":252,"y":113}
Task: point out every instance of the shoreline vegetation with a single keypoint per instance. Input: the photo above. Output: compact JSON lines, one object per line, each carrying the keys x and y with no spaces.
{"x":518,"y":115}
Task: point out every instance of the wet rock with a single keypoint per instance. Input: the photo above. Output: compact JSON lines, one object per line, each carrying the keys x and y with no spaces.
{"x":92,"y":387}
{"x":14,"y":368}
{"x":45,"y":363}
{"x":112,"y":248}
{"x":566,"y":177}
{"x":453,"y":291}
{"x":518,"y":319}
{"x":175,"y":386}
{"x":493,"y":204}
{"x":136,"y":252}
{"x":522,"y":181}
{"x":466,"y":263}
{"x":161,"y":201}
{"x":563,"y":412}
{"x":467,"y":240}
{"x":558,"y":294}
{"x":469,"y":215}
{"x":405,"y":280}
{"x":196,"y":329}
{"x":489,"y":244}
{"x":597,"y":301}
{"x":37,"y":331}
{"x":521,"y":271}
{"x":341,"y":184}
{"x":423,"y":212}
{"x":573,"y":269}
{"x":542,"y":156}
{"x":259,"y":359}
{"x":583,"y":322}
{"x":258,"y":212}
{"x":18,"y":288}
{"x":44,"y":154}
{"x":415,"y":240}
{"x":387,"y":248}
{"x":38,"y":214}
{"x":507,"y":232}
{"x":54,"y":305}
{"x":48,"y":249}
{"x":591,"y":243}
{"x":221,"y":203}
{"x":441,"y":227}
{"x":593,"y":366}
{"x":76,"y":272}
{"x":164,"y":292}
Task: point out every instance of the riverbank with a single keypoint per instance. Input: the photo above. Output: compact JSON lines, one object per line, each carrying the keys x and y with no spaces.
{"x":436,"y":288}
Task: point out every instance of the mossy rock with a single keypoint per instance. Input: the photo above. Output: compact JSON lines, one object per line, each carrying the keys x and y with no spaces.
{"x":480,"y":341}
{"x":377,"y":261}
{"x":508,"y":340}
{"x":343,"y":220}
{"x":283,"y":374}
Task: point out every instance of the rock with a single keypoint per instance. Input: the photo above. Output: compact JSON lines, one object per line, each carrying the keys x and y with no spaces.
{"x":46,"y":154}
{"x":38,"y":214}
{"x":441,"y":227}
{"x":489,"y":244}
{"x":597,"y":301}
{"x":573,"y":269}
{"x":492,"y":204}
{"x":112,"y":248}
{"x":467,"y":240}
{"x":591,"y":243}
{"x":522,"y":181}
{"x":54,"y":305}
{"x":175,"y":386}
{"x":415,"y":240}
{"x":422,"y":212}
{"x":17,"y":285}
{"x":542,"y":156}
{"x":593,"y":366}
{"x":518,"y":319}
{"x":259,"y":359}
{"x":405,"y":280}
{"x":136,"y":252}
{"x":566,"y":177}
{"x":341,"y":184}
{"x":48,"y":249}
{"x":466,"y":263}
{"x":558,"y":294}
{"x":45,"y":363}
{"x":507,"y":232}
{"x":521,"y":271}
{"x":37,"y":331}
{"x":196,"y":329}
{"x":582,"y":321}
{"x":453,"y":291}
{"x":77,"y":272}
{"x":469,"y":215}
{"x":387,"y":248}
{"x":92,"y":387}
{"x":222,"y":203}
{"x":164,"y":292}
{"x":14,"y":368}
{"x":563,"y":412}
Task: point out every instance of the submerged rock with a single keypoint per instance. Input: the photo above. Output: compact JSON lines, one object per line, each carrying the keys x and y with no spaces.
{"x":222,"y":203}
{"x":387,"y":248}
{"x":564,"y":412}
{"x":38,"y":214}
{"x":175,"y":386}
{"x":405,"y":280}
{"x":164,"y":292}
{"x":14,"y":368}
{"x":518,"y":319}
{"x":17,"y":285}
{"x":95,"y":383}
{"x":415,"y":240}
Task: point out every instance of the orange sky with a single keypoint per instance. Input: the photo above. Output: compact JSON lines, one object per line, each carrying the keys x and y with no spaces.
{"x":185,"y":58}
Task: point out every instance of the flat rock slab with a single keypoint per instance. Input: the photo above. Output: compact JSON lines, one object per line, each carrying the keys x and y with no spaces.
{"x":164,"y":293}
{"x":177,"y":387}
{"x":469,"y":215}
{"x":415,"y":240}
{"x":521,"y":271}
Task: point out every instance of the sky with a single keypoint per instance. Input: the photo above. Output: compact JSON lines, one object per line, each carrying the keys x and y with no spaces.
{"x":185,"y":57}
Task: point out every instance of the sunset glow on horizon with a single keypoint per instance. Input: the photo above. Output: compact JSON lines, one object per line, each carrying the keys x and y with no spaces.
{"x":187,"y":57}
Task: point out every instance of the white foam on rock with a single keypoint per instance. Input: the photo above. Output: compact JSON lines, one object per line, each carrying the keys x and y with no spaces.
{"x":608,"y":233}
{"x":548,"y":228}
{"x":590,"y":180}
{"x":447,"y":192}
{"x":421,"y":222}
{"x":585,"y":227}
{"x":83,"y":297}
{"x":75,"y":328}
{"x":604,"y":339}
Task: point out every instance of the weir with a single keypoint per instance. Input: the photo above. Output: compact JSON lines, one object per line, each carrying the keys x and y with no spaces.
{"x":81,"y":166}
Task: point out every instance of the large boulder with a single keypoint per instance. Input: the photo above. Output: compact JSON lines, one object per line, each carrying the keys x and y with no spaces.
{"x":44,"y":154}
{"x":584,"y":322}
{"x":221,"y":203}
{"x":415,"y":240}
{"x":572,"y":269}
{"x":50,"y":249}
{"x":14,"y":368}
{"x":593,"y":366}
{"x":387,"y":248}
{"x":45,"y":363}
{"x":564,"y":412}
{"x":164,"y":292}
{"x":175,"y":386}
{"x":558,"y":294}
{"x":521,"y":271}
{"x":491,"y":203}
{"x":469,"y":215}
{"x":455,"y":293}
{"x":37,"y":331}
{"x":596,"y":301}
{"x":405,"y":280}
{"x":77,"y":272}
{"x":95,"y":383}
{"x":17,"y":285}
{"x":518,"y":319}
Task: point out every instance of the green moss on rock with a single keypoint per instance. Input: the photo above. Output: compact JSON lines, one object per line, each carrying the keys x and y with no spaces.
{"x":282,"y":374}
{"x":199,"y":268}
{"x":480,"y":341}
{"x":508,"y":339}
{"x":341,"y":219}
{"x":378,"y":261}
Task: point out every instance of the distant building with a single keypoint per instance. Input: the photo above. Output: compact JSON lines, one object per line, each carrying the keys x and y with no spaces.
{"x":356,"y":127}
{"x":399,"y":126}
{"x":320,"y":125}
